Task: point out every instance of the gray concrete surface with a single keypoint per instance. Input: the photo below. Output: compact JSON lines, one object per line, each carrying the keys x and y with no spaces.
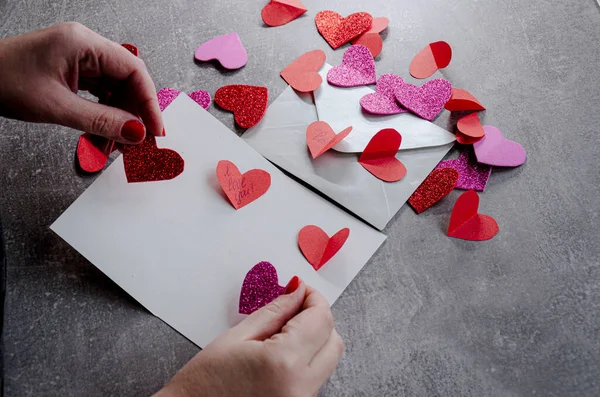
{"x":429,"y":315}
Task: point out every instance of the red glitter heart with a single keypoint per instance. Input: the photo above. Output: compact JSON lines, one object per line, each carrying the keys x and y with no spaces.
{"x":248,"y":103}
{"x":146,"y":162}
{"x":435,"y":187}
{"x":337,"y":30}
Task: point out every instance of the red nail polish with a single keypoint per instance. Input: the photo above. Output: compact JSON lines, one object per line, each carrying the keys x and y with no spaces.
{"x":292,"y":285}
{"x":163,"y":132}
{"x":133,"y":131}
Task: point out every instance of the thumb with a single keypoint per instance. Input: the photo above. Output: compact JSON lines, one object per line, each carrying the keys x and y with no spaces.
{"x":268,"y":320}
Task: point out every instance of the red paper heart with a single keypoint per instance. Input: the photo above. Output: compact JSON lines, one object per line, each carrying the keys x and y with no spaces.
{"x":433,"y":57}
{"x":248,"y":103}
{"x":280,"y":12}
{"x":242,"y":189}
{"x":317,"y":247}
{"x":302,"y":73}
{"x":320,"y":137}
{"x":372,"y":41}
{"x":467,"y":224}
{"x":470,"y":129}
{"x":462,"y":100}
{"x":92,"y":152}
{"x":435,"y":187}
{"x":379,"y":157}
{"x":146,"y":162}
{"x":337,"y":30}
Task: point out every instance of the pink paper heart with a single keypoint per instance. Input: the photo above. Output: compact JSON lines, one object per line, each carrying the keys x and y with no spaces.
{"x":494,"y":149}
{"x":426,"y":101}
{"x":383,"y":100}
{"x":357,"y":68}
{"x":168,"y":95}
{"x":471,"y":174}
{"x":227,"y":49}
{"x":260,"y":287}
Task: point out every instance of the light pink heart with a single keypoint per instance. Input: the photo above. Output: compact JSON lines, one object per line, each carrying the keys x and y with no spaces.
{"x":357,"y":68}
{"x":383,"y":100}
{"x":494,"y":149}
{"x":227,"y":49}
{"x":426,"y":101}
{"x":471,"y":174}
{"x":168,"y":95}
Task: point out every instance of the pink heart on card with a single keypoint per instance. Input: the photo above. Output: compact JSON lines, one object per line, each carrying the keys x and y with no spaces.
{"x":357,"y":68}
{"x":383,"y":100}
{"x":260,"y":287}
{"x":227,"y":49}
{"x":471,"y":174}
{"x":426,"y":101}
{"x":168,"y":95}
{"x":495,"y":149}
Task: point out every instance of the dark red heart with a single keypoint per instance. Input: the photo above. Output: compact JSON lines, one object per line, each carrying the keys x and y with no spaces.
{"x":435,"y":187}
{"x":146,"y":162}
{"x":248,"y":103}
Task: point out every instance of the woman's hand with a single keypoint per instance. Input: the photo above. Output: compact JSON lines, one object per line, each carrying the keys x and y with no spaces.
{"x":41,"y":72}
{"x":286,"y":349}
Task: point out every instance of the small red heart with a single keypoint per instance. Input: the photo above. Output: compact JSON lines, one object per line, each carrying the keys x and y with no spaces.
{"x":92,"y":152}
{"x":462,"y":100}
{"x":280,"y":12}
{"x":433,"y":57}
{"x":435,"y":187}
{"x":248,"y":103}
{"x":146,"y":162}
{"x":372,"y":41}
{"x":470,"y":129}
{"x":242,"y":189}
{"x":320,"y":137}
{"x":302,"y":73}
{"x":317,"y":247}
{"x":379,"y":157}
{"x":337,"y":30}
{"x":467,"y":224}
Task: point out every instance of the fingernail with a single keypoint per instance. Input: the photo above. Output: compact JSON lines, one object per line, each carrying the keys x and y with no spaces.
{"x":163,"y":132}
{"x":133,"y":131}
{"x":292,"y":285}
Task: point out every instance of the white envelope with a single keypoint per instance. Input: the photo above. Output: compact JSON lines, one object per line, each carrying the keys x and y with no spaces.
{"x":180,"y":248}
{"x":340,"y":108}
{"x":281,"y":138}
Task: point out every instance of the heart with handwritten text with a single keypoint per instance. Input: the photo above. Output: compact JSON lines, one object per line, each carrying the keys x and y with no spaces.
{"x":242,"y":189}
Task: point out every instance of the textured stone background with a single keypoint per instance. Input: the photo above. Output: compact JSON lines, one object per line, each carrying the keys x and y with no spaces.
{"x":429,"y":315}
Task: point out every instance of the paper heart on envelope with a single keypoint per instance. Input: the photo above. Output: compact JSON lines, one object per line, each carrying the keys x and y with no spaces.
{"x":320,"y":137}
{"x":379,"y":157}
{"x":242,"y":189}
{"x":317,"y":247}
{"x":303,"y":73}
{"x":260,"y":287}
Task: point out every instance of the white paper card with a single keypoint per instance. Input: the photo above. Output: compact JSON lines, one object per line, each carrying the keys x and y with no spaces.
{"x":181,"y":249}
{"x":340,"y":108}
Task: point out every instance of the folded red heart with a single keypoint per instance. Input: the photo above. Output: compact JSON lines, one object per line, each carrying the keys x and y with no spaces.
{"x":227,"y":49}
{"x":147,"y":163}
{"x":357,"y":68}
{"x":461,"y":100}
{"x":433,"y":57}
{"x":426,"y":101}
{"x":248,"y":103}
{"x":93,"y":151}
{"x":320,"y":137}
{"x":434,"y":188}
{"x":379,"y":157}
{"x":371,"y":38}
{"x":383,"y":100}
{"x":317,"y":247}
{"x":469,"y":129}
{"x":260,"y":287}
{"x":242,"y":189}
{"x":280,"y":12}
{"x":302,"y":74}
{"x":337,"y":30}
{"x":167,"y":95}
{"x":471,"y":174}
{"x":467,"y":224}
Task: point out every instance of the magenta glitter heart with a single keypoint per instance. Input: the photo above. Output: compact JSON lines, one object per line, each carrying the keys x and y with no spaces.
{"x":383,"y":100}
{"x":426,"y":101}
{"x":260,"y":287}
{"x":357,"y":68}
{"x":167,"y":95}
{"x":494,"y":149}
{"x":471,"y":174}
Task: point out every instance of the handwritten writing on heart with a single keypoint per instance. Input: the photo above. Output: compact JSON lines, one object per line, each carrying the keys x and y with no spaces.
{"x":260,"y":287}
{"x":302,"y":74}
{"x":227,"y":49}
{"x":242,"y":189}
{"x":379,"y":157}
{"x":320,"y":137}
{"x":317,"y":247}
{"x":147,"y":163}
{"x":467,"y":224}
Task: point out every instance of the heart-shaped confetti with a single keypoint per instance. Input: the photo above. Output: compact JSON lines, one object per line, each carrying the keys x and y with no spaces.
{"x":337,"y":30}
{"x":317,"y":247}
{"x":494,"y":149}
{"x":426,"y":101}
{"x":248,"y":103}
{"x":147,"y":163}
{"x":242,"y":189}
{"x":92,"y":152}
{"x":470,"y":129}
{"x":462,"y":100}
{"x":383,"y":100}
{"x":302,"y":74}
{"x":168,"y":95}
{"x":280,"y":12}
{"x":435,"y":187}
{"x":320,"y":137}
{"x":260,"y":287}
{"x":357,"y":68}
{"x":471,"y":174}
{"x":467,"y":224}
{"x":372,"y":41}
{"x":227,"y":49}
{"x":433,"y":57}
{"x":379,"y":157}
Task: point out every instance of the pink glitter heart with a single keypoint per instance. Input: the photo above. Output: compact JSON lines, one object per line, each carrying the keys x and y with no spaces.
{"x":495,"y":149}
{"x":383,"y":100}
{"x":260,"y":287}
{"x":357,"y":68}
{"x":471,"y":174}
{"x":426,"y":101}
{"x":168,"y":95}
